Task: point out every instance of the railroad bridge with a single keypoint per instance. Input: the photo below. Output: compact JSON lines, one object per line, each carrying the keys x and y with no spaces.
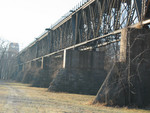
{"x":81,"y":42}
{"x":89,"y":25}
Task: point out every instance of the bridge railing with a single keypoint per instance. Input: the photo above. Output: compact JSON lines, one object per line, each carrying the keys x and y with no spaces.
{"x":68,"y":13}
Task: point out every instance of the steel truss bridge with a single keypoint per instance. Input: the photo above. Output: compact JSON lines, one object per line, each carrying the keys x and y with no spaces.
{"x":90,"y":24}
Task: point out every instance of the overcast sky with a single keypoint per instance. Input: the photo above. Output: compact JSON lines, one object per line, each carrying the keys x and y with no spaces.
{"x":23,"y":20}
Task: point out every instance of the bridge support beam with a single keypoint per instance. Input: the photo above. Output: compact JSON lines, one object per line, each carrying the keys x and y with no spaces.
{"x":123,"y":45}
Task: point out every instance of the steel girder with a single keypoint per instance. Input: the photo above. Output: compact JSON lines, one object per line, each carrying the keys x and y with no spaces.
{"x":97,"y":19}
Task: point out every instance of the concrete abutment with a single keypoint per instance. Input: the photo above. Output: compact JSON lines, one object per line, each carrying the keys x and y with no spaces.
{"x":129,"y":81}
{"x":66,"y":71}
{"x":83,"y":72}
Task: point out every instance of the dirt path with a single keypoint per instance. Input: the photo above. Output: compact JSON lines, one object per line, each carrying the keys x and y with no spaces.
{"x":20,"y":98}
{"x":24,"y":99}
{"x":13,"y":95}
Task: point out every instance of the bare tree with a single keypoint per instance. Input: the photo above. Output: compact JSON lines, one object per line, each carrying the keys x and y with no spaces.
{"x":3,"y":54}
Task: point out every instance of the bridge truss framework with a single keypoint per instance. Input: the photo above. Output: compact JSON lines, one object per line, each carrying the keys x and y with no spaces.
{"x":93,"y":24}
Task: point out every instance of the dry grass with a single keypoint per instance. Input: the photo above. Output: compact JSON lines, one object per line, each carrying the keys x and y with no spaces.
{"x":20,"y":98}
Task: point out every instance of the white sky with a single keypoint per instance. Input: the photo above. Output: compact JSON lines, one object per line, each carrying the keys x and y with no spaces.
{"x":23,"y":20}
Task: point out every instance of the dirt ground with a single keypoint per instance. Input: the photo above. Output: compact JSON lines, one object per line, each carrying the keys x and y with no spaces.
{"x":21,"y":98}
